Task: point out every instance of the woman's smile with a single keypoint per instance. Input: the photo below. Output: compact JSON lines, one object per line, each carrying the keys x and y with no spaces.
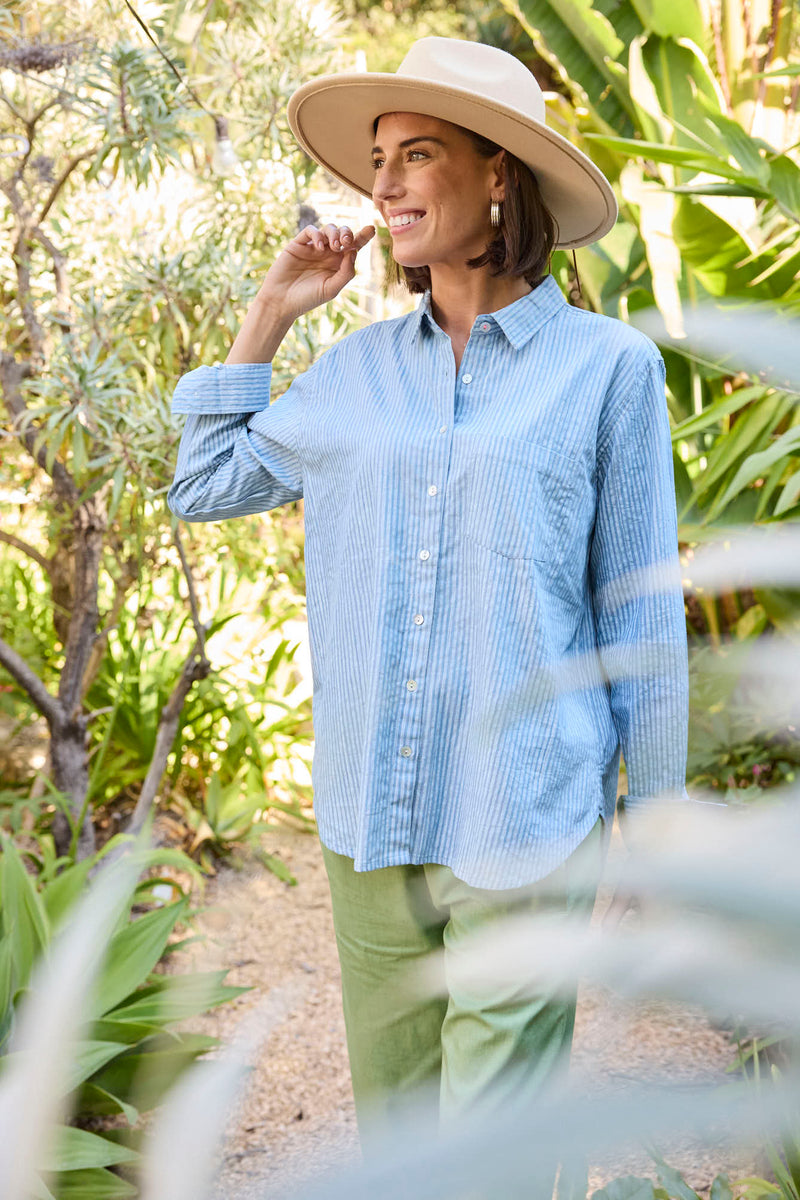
{"x":401,"y":222}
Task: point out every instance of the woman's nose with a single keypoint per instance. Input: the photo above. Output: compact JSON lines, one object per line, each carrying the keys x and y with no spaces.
{"x":388,"y":182}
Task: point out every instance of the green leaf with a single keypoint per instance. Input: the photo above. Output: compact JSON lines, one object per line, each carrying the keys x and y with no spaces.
{"x":738,"y":143}
{"x":6,"y":986}
{"x":91,"y":1056}
{"x":582,"y":46}
{"x":59,"y":895}
{"x":714,"y":249}
{"x":756,"y":465}
{"x":660,"y":152}
{"x":671,"y":18}
{"x":274,"y":864}
{"x":96,"y":1101}
{"x":789,"y":495}
{"x":97,"y":1184}
{"x":716,"y":411}
{"x":147,"y":1073}
{"x":673,"y":1181}
{"x":751,"y":426}
{"x":784,"y":183}
{"x":177,"y":997}
{"x":686,"y":89}
{"x":751,"y":623}
{"x":721,"y":1189}
{"x":78,"y":1148}
{"x":133,"y":953}
{"x":126,"y":1033}
{"x":24,"y":919}
{"x":627,"y":1187}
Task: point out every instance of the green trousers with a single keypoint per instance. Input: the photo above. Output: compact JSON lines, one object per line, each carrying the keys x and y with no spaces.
{"x":479,"y":1042}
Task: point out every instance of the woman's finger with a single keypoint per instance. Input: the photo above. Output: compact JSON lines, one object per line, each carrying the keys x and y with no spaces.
{"x":363,"y":237}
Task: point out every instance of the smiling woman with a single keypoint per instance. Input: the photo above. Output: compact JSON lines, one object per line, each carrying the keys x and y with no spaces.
{"x":493,"y":586}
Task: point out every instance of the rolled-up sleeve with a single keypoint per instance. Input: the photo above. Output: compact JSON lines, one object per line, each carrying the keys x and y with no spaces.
{"x":637,"y":598}
{"x":238,"y":453}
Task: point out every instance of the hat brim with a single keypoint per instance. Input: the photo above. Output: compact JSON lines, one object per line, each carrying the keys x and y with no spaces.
{"x":332,"y":118}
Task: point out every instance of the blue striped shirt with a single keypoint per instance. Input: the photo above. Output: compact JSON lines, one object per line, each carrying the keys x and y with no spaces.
{"x":494,"y":600}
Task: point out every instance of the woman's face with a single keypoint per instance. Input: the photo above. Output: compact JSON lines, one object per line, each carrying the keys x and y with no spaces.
{"x":433,"y":190}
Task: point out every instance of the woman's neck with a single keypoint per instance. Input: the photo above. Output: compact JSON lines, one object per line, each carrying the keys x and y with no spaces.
{"x":457,"y":298}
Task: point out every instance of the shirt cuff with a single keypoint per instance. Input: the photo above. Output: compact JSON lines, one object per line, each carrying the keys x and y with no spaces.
{"x":633,"y":802}
{"x":224,"y":388}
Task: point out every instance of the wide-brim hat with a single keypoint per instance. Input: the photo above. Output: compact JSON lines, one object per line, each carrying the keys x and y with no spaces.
{"x":476,"y":86}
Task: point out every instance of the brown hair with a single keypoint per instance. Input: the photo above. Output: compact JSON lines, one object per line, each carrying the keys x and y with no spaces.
{"x":527,"y":234}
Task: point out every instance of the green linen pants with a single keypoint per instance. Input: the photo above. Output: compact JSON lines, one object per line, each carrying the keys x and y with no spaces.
{"x":475,"y":1044}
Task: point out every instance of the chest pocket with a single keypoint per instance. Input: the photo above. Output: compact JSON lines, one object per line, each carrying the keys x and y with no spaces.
{"x":522,"y":501}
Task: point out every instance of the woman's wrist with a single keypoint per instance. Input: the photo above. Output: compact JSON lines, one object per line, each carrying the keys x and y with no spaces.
{"x":265,"y":325}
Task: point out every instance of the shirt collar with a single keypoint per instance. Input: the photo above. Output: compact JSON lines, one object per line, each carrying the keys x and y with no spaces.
{"x":519,"y":320}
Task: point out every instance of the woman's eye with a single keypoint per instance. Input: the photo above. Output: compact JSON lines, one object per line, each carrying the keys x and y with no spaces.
{"x":378,"y":162}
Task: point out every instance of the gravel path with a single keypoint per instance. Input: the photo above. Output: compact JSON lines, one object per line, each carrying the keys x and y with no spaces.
{"x":296,"y":1114}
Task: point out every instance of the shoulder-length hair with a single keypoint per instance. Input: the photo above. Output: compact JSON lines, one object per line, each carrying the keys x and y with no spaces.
{"x":526,"y":236}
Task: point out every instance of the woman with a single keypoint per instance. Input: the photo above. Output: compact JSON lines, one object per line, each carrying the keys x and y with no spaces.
{"x":491,"y":545}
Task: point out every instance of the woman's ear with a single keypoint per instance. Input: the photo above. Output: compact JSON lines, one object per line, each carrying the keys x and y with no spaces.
{"x":498,"y":180}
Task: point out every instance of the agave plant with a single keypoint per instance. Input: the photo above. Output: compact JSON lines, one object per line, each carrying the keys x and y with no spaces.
{"x":129,"y":1053}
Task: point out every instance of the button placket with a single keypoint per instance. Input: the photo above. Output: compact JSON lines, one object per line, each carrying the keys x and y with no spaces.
{"x":423,"y":583}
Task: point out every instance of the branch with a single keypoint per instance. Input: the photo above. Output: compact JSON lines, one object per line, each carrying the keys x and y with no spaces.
{"x":30,"y":683}
{"x":59,"y":268}
{"x":196,"y":667}
{"x":21,"y":257}
{"x":31,"y":551}
{"x":62,"y":179}
{"x":199,"y":628}
{"x":20,"y":116}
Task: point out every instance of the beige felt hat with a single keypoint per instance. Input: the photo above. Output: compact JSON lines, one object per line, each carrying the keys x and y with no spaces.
{"x":476,"y":86}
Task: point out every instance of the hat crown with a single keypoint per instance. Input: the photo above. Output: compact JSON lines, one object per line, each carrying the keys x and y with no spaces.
{"x":482,"y":70}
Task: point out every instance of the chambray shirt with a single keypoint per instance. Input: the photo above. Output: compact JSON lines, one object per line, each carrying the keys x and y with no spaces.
{"x":493,"y":586}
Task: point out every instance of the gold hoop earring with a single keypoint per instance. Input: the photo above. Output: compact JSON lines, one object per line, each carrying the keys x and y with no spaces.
{"x":495,"y":216}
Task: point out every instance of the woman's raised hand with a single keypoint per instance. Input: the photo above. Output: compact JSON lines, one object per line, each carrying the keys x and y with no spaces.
{"x":313,"y":267}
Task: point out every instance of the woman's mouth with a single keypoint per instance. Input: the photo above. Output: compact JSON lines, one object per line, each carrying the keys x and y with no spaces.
{"x":403,"y":222}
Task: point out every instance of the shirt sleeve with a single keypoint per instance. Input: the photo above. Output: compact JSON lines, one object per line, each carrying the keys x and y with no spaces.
{"x":637,"y":597}
{"x":238,"y":453}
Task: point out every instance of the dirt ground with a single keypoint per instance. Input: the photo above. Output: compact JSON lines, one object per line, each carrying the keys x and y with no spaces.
{"x":296,"y":1114}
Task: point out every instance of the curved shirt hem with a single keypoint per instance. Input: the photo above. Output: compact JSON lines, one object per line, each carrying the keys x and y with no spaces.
{"x":499,"y":879}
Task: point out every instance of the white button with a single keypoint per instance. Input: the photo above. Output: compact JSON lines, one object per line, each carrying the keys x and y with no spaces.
{"x":467,"y":379}
{"x":412,"y":685}
{"x":405,"y":751}
{"x":442,"y":429}
{"x":418,"y":618}
{"x":432,"y":490}
{"x":424,"y":554}
{"x":485,"y":326}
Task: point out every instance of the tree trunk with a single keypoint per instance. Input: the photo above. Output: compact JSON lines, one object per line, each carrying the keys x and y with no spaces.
{"x":68,"y":755}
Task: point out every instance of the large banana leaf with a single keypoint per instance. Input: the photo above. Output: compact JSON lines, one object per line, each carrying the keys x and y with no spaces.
{"x":583,"y":47}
